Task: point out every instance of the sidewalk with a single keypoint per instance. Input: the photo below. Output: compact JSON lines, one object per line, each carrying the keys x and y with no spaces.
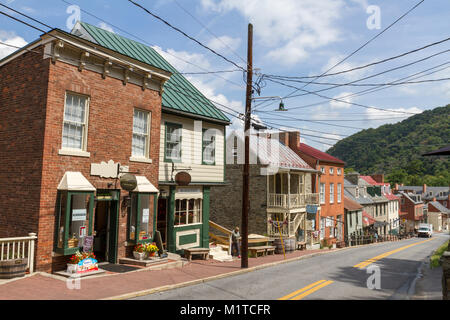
{"x":41,"y":286}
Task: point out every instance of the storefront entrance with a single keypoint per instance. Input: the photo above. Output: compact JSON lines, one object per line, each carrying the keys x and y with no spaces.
{"x":105,"y":226}
{"x":161,"y":220}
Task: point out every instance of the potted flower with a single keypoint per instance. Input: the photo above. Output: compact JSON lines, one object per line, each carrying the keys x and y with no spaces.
{"x":72,"y":265}
{"x":139,"y":252}
{"x":151,"y":249}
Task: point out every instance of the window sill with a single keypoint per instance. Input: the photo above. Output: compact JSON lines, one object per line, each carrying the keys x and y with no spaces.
{"x":139,"y":159}
{"x":75,"y":153}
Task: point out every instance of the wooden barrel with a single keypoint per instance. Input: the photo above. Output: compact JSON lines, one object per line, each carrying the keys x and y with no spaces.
{"x":288,"y":244}
{"x":13,"y":268}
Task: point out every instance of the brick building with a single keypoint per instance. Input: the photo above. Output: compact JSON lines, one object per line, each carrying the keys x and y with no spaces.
{"x":330,"y":186}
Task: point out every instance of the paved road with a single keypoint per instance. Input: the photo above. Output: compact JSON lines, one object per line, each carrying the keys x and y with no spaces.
{"x":338,"y":275}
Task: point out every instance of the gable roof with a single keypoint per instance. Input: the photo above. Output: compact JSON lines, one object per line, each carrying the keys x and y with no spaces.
{"x":438,"y":206}
{"x":318,"y":155}
{"x":179,"y":94}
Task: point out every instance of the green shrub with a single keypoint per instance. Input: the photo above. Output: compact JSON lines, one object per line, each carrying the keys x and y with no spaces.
{"x":436,"y":256}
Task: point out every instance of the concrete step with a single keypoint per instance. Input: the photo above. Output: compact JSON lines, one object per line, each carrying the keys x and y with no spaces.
{"x":217,"y":253}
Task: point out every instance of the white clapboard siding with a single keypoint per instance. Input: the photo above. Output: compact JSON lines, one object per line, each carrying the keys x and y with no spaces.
{"x":191,"y":154}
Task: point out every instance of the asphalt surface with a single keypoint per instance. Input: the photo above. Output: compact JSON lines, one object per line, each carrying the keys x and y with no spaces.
{"x":335,"y":275}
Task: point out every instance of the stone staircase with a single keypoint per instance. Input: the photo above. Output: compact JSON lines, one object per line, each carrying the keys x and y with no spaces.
{"x":218,"y":253}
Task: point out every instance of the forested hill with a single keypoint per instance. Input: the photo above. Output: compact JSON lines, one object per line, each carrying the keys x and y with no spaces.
{"x":396,"y":149}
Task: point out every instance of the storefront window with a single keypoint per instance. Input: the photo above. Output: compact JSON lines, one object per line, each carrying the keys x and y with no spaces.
{"x":187,"y":211}
{"x":74,"y":220}
{"x":140,"y":219}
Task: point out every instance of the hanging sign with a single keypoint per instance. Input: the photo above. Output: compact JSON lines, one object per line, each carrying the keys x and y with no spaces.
{"x":78,"y":214}
{"x":128,"y":182}
{"x":183,"y":178}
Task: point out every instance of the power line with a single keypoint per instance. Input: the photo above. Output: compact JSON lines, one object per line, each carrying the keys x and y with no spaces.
{"x":343,"y":101}
{"x":23,"y":14}
{"x":365,"y":78}
{"x":186,"y":35}
{"x":167,"y":52}
{"x":354,"y":52}
{"x":387,"y":86}
{"x":364,"y":66}
{"x":207,"y":29}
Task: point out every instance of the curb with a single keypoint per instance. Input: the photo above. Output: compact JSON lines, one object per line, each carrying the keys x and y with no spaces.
{"x":227,"y":274}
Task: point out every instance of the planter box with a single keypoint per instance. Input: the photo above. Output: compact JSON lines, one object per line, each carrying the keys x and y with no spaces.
{"x":139,"y":255}
{"x":13,"y":268}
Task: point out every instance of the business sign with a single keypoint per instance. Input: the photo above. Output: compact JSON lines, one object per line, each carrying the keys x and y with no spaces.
{"x":183,"y":178}
{"x":88,"y":243}
{"x":311,"y":208}
{"x":87,"y":265}
{"x":128,"y":182}
{"x":79,"y":215}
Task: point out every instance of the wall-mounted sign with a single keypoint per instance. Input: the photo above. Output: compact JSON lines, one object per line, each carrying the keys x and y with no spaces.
{"x":183,"y":178}
{"x":78,"y":214}
{"x":107,"y":170}
{"x":128,"y":182}
{"x":311,"y":208}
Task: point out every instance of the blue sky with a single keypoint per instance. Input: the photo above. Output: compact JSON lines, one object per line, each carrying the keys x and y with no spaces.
{"x":291,"y":38}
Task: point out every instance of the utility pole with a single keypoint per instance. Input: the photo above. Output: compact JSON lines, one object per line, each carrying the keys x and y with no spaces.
{"x":246,"y":175}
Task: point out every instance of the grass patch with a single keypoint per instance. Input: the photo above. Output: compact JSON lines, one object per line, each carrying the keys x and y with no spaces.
{"x":434,"y":260}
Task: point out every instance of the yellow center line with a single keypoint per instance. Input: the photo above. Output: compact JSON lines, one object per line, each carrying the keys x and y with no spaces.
{"x":301,"y":296}
{"x":286,"y":297}
{"x":365,"y":263}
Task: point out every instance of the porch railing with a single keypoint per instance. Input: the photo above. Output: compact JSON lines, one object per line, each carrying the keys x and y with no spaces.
{"x":292,"y":201}
{"x":19,"y":248}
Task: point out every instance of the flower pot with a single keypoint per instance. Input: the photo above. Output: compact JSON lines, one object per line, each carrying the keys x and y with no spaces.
{"x":72,"y":268}
{"x":139,"y":255}
{"x":151,"y":254}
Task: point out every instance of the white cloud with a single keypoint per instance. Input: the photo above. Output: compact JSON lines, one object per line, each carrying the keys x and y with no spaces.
{"x":292,"y":28}
{"x":341,"y":105}
{"x":105,"y":26}
{"x":391,"y":117}
{"x":184,"y":61}
{"x":224,"y":43}
{"x":11,"y":39}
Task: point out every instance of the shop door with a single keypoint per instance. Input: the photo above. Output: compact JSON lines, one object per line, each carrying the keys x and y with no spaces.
{"x":161,"y":220}
{"x":105,"y":231}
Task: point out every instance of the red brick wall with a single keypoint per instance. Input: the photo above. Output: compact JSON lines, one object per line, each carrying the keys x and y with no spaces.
{"x":23,"y":95}
{"x":109,"y":138}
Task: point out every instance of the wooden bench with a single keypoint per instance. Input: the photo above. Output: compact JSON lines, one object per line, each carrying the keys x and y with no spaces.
{"x":204,"y":252}
{"x":301,"y":245}
{"x":264,"y":250}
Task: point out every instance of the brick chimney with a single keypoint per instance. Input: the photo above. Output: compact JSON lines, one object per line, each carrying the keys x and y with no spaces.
{"x":294,"y":140}
{"x":284,"y":138}
{"x":396,"y":187}
{"x":353,"y":177}
{"x":434,"y":199}
{"x":378,"y":178}
{"x":424,"y":188}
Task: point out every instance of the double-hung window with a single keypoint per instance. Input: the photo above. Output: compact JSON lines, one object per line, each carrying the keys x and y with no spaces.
{"x":141,"y":136}
{"x":75,"y":122}
{"x":322,"y":193}
{"x":331,"y":192}
{"x":188,"y":211}
{"x":172,"y":152}
{"x":209,"y":146}
{"x":339,"y":192}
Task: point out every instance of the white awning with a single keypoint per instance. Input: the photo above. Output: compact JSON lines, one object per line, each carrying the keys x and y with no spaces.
{"x":75,"y":181}
{"x":143,"y":185}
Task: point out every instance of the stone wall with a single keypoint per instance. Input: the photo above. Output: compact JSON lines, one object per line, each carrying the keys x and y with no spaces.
{"x":226,"y":202}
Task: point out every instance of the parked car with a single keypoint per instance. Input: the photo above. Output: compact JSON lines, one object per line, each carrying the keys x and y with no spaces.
{"x":425,"y":230}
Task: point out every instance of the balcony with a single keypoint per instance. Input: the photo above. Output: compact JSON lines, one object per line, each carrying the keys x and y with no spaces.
{"x":292,"y":201}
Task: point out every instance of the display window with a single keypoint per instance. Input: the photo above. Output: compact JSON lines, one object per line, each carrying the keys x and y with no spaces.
{"x":140,"y":222}
{"x":74,"y":220}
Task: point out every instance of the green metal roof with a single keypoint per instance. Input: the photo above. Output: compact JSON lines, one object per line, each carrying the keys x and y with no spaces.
{"x":179,"y":94}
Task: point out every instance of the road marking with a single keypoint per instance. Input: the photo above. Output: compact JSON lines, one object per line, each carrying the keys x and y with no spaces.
{"x":365,"y":263}
{"x":307,"y":293}
{"x":286,"y":297}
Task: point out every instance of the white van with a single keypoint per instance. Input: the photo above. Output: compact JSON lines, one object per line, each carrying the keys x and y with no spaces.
{"x":425,"y":230}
